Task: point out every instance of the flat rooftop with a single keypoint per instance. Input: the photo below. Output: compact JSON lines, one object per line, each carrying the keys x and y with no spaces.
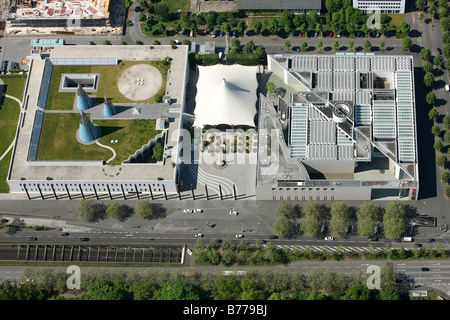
{"x":95,"y":170}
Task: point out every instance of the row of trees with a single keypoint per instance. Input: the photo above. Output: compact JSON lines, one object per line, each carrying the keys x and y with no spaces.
{"x":340,"y":16}
{"x":90,"y":211}
{"x":434,"y":67}
{"x":320,"y":284}
{"x":227,"y":253}
{"x":313,"y":215}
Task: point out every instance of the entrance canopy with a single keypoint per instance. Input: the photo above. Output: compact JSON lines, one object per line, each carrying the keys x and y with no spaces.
{"x":226,"y":95}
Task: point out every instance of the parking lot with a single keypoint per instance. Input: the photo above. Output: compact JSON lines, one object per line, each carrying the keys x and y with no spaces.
{"x":88,"y":253}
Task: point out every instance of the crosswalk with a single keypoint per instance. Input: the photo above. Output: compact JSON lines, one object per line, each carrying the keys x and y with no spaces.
{"x":330,"y":248}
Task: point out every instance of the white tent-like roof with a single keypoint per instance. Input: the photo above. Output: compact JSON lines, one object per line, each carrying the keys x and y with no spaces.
{"x":226,"y":95}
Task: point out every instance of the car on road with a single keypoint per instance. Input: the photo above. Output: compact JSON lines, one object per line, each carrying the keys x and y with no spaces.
{"x":272,"y":236}
{"x":31,"y":238}
{"x":425,"y":269}
{"x":407,"y":239}
{"x":329,"y":238}
{"x":430,"y":240}
{"x":239,"y":236}
{"x":63,"y":233}
{"x":198,"y":211}
{"x":199,"y":235}
{"x":373,"y":239}
{"x":234,"y":212}
{"x":84,"y":239}
{"x":418,"y":245}
{"x":187,"y":211}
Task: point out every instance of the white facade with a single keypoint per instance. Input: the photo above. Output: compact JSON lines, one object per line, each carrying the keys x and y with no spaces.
{"x":384,"y":6}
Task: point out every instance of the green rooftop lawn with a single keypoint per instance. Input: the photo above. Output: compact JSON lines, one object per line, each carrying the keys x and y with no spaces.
{"x":9,"y":115}
{"x":58,"y":138}
{"x":109,"y":76}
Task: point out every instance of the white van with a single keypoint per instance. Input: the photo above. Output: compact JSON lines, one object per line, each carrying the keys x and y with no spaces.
{"x":407,"y":239}
{"x":447,"y":88}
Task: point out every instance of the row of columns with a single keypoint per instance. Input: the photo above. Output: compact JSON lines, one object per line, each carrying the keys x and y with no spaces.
{"x":123,"y":192}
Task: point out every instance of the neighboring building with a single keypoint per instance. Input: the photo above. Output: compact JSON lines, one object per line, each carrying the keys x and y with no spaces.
{"x":345,"y":129}
{"x":383,"y":6}
{"x":294,"y":6}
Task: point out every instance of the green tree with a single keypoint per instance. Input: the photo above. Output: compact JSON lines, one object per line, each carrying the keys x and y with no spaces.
{"x":446,"y":122}
{"x":319,"y":44}
{"x":433,"y":114}
{"x":445,"y":177}
{"x":270,"y":86}
{"x":335,"y":44}
{"x":425,"y":54}
{"x":435,"y":130}
{"x":394,"y":219}
{"x":250,"y":291}
{"x":241,"y":27}
{"x":256,"y":26}
{"x":367,"y":44}
{"x":340,"y":214}
{"x":438,"y":145}
{"x":285,"y":208}
{"x":428,"y":79}
{"x":310,"y":223}
{"x":406,"y":43}
{"x":442,"y":161}
{"x":88,"y":210}
{"x":367,"y":215}
{"x":304,"y":45}
{"x":226,"y":289}
{"x":180,"y":290}
{"x":447,"y":192}
{"x":405,"y":27}
{"x":447,"y":136}
{"x":273,"y":26}
{"x":144,"y":209}
{"x":431,"y":98}
{"x":103,"y":289}
{"x":117,"y":210}
{"x":158,"y":151}
{"x":143,"y":290}
{"x":282,"y":226}
{"x":287,"y":43}
{"x":420,"y":5}
{"x":351,"y":44}
{"x":437,"y":61}
{"x":427,"y":66}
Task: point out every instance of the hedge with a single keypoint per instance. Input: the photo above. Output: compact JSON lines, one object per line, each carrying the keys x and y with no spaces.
{"x":245,"y":59}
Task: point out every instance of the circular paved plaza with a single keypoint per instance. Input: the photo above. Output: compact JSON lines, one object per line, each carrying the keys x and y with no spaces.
{"x":140,"y":82}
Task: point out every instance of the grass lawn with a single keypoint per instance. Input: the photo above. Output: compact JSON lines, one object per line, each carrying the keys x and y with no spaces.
{"x":58,"y":138}
{"x":9,"y":115}
{"x":109,"y":77}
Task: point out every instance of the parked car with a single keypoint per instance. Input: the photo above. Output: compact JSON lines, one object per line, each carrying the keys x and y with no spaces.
{"x":198,"y":211}
{"x":329,"y":238}
{"x":447,"y":88}
{"x":4,"y":220}
{"x":239,"y":236}
{"x":234,"y":212}
{"x":430,"y":239}
{"x":199,"y":235}
{"x":214,"y":33}
{"x":296,"y":48}
{"x":187,"y":211}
